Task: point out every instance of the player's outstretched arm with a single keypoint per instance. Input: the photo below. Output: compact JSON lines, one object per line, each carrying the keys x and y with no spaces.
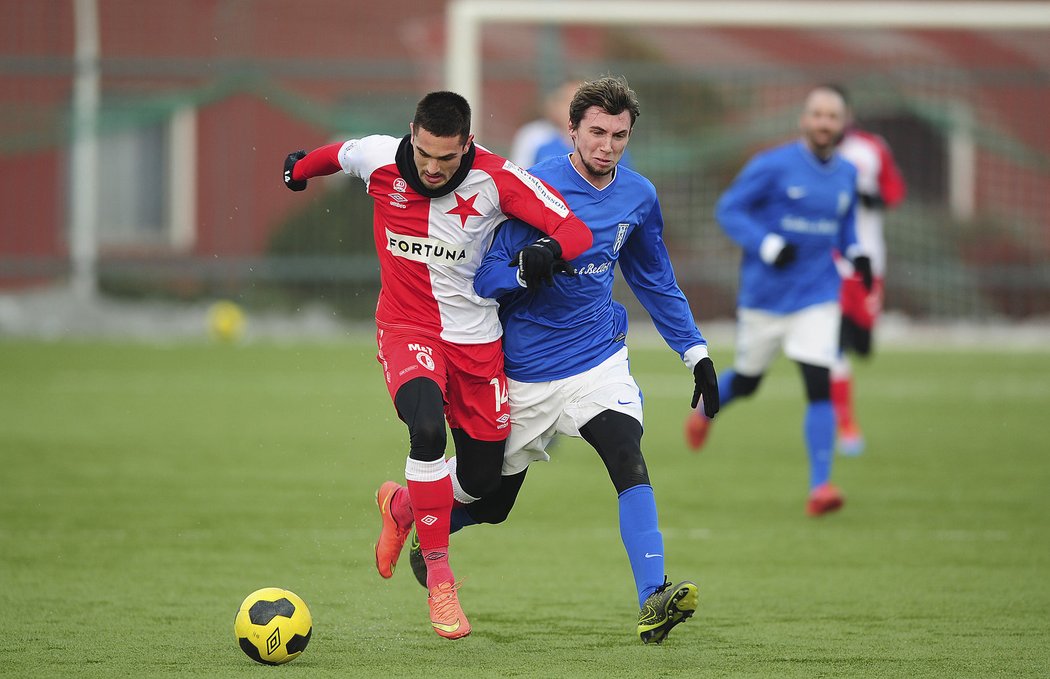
{"x":300,"y":165}
{"x":289,"y":167}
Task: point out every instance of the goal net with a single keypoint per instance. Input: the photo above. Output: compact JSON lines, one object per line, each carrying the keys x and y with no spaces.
{"x":959,"y":90}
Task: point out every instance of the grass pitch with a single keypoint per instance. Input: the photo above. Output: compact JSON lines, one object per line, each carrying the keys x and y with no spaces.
{"x":145,"y":490}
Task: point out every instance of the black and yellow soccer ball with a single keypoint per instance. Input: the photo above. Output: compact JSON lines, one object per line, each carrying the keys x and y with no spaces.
{"x":273,"y":626}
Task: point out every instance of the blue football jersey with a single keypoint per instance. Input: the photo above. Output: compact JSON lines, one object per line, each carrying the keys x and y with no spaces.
{"x":812,"y":204}
{"x":563,"y":330}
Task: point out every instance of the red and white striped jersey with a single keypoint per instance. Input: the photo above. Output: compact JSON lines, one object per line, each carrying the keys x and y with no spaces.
{"x":878,"y":178}
{"x":430,"y":247}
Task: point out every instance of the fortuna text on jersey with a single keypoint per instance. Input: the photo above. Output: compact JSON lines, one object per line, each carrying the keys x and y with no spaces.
{"x":427,"y":250}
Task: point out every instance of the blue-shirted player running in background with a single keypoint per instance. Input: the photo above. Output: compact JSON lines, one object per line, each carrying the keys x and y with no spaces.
{"x":789,"y":209}
{"x":565,"y":344}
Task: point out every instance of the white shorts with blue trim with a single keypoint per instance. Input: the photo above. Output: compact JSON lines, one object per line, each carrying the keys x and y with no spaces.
{"x":541,"y":410}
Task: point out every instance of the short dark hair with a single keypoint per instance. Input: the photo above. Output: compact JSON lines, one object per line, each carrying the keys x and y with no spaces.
{"x":610,"y":94}
{"x":443,"y":114}
{"x":837,"y":89}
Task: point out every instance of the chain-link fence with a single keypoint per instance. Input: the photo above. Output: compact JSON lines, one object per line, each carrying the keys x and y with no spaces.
{"x":197,"y":104}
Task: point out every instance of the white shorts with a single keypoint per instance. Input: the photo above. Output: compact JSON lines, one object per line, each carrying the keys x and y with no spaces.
{"x":541,"y":410}
{"x":810,"y":335}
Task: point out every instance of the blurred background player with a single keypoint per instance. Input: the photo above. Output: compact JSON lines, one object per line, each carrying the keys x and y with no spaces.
{"x":565,"y":343}
{"x":438,"y":198}
{"x":880,"y":186}
{"x":788,"y":209}
{"x":549,"y":135}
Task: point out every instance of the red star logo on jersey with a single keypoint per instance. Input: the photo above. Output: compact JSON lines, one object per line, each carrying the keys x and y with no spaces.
{"x":464,"y":208}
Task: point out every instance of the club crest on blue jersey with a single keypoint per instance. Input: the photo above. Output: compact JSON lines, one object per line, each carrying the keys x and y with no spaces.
{"x":843,"y":202}
{"x":621,"y":235}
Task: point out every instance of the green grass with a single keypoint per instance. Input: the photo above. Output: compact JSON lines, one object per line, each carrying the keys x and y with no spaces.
{"x":145,"y":490}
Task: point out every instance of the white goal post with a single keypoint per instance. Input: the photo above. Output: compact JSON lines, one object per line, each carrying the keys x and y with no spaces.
{"x":465,"y":20}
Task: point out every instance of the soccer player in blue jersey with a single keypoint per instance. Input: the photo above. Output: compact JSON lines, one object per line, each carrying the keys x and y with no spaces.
{"x":789,"y":209}
{"x":565,"y":343}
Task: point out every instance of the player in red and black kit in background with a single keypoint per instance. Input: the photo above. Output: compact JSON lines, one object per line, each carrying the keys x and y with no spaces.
{"x":879,"y":186}
{"x":438,"y":200}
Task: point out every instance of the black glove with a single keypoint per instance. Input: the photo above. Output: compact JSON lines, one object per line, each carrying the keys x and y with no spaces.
{"x":289,"y":163}
{"x":872,"y":201}
{"x":563,"y":267}
{"x":535,"y":262}
{"x":785,"y":256}
{"x":706,"y":385}
{"x":862,"y":266}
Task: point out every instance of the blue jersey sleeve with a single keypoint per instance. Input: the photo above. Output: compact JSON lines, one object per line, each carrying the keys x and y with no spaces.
{"x":848,"y":245}
{"x":736,"y":211}
{"x":494,"y":277}
{"x":646,"y":267}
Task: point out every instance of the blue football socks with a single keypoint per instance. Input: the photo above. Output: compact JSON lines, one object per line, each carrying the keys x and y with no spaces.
{"x":820,"y":441}
{"x":460,"y":517}
{"x":641,"y":537}
{"x":725,"y":388}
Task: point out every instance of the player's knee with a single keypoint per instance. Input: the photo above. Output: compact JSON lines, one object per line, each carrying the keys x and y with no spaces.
{"x":862,"y":342}
{"x":495,"y":508}
{"x":478,"y":482}
{"x":480,"y":464}
{"x":745,"y":385}
{"x":491,"y":514}
{"x":420,"y":406}
{"x":428,"y":439}
{"x":485,"y":484}
{"x":818,"y":382}
{"x":631,"y":473}
{"x":855,"y":337}
{"x":617,"y":438}
{"x":626,"y":464}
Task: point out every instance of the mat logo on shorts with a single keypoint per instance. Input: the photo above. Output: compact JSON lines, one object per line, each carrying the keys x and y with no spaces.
{"x":423,"y":355}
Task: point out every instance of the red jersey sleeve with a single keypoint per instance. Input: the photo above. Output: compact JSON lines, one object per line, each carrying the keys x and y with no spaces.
{"x":534,"y":202}
{"x":891,"y":182}
{"x":321,"y":161}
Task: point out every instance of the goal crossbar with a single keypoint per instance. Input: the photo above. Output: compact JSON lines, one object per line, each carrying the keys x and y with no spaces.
{"x":465,"y":19}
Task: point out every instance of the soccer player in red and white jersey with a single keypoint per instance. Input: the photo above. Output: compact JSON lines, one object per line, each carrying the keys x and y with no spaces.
{"x":880,"y":186}
{"x":438,"y":198}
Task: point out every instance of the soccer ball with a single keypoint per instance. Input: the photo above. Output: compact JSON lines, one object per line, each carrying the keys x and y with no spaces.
{"x":273,"y":626}
{"x":226,"y":321}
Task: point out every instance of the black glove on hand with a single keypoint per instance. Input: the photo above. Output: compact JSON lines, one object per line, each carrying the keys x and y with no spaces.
{"x":289,"y":163}
{"x":706,"y":385}
{"x":862,"y":265}
{"x":535,"y":262}
{"x":563,"y":267}
{"x":872,"y":201}
{"x":785,"y":256}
